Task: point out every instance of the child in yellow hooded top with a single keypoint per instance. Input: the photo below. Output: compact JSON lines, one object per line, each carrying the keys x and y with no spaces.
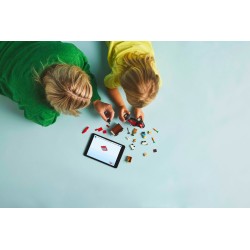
{"x":133,"y":68}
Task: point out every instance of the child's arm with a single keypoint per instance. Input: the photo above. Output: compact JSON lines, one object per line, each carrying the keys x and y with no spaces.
{"x":117,"y":98}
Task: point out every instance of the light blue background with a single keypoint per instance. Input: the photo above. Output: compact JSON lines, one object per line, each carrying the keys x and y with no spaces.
{"x":202,"y":114}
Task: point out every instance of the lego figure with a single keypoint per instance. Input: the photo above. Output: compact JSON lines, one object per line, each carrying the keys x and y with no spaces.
{"x":134,"y":131}
{"x":132,"y":146}
{"x":116,"y":129}
{"x":144,"y":143}
{"x":143,"y":135}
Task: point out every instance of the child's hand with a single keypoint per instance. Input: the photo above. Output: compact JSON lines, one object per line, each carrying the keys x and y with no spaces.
{"x":102,"y":107}
{"x":122,"y":111}
{"x":138,"y":112}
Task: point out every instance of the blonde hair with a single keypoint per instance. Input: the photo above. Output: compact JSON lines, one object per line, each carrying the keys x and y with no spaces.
{"x":139,"y":80}
{"x":67,"y":88}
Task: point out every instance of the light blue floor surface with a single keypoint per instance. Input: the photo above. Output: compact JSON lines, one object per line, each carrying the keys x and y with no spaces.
{"x":202,"y":114}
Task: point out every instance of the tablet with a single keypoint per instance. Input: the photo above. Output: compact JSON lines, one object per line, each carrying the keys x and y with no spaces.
{"x":104,"y":150}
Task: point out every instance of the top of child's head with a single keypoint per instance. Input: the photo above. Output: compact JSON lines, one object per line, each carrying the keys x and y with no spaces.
{"x":140,"y":81}
{"x":67,"y":88}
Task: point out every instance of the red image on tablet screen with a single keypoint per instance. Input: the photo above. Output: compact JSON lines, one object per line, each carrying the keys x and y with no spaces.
{"x":104,"y":148}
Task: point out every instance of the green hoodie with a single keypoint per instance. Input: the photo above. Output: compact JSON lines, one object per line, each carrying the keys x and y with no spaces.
{"x":18,"y":60}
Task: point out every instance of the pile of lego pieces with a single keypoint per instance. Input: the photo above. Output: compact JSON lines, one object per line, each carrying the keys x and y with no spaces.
{"x":144,"y":141}
{"x":117,"y":128}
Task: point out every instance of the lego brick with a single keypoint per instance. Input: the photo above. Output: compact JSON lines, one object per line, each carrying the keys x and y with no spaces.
{"x":85,"y":130}
{"x":99,"y":129}
{"x":116,"y":129}
{"x":129,"y":159}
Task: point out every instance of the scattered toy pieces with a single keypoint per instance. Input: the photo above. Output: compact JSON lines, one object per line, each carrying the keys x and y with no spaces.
{"x":128,"y":158}
{"x":134,"y":131}
{"x":85,"y":130}
{"x":143,"y":135}
{"x":99,"y":129}
{"x":116,"y":129}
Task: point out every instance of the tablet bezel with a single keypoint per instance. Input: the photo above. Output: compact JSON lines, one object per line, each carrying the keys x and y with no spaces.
{"x":85,"y":153}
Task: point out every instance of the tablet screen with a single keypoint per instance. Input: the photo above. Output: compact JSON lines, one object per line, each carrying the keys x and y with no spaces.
{"x":104,"y":150}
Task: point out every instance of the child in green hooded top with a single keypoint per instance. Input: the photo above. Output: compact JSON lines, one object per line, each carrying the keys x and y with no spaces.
{"x":66,"y":83}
